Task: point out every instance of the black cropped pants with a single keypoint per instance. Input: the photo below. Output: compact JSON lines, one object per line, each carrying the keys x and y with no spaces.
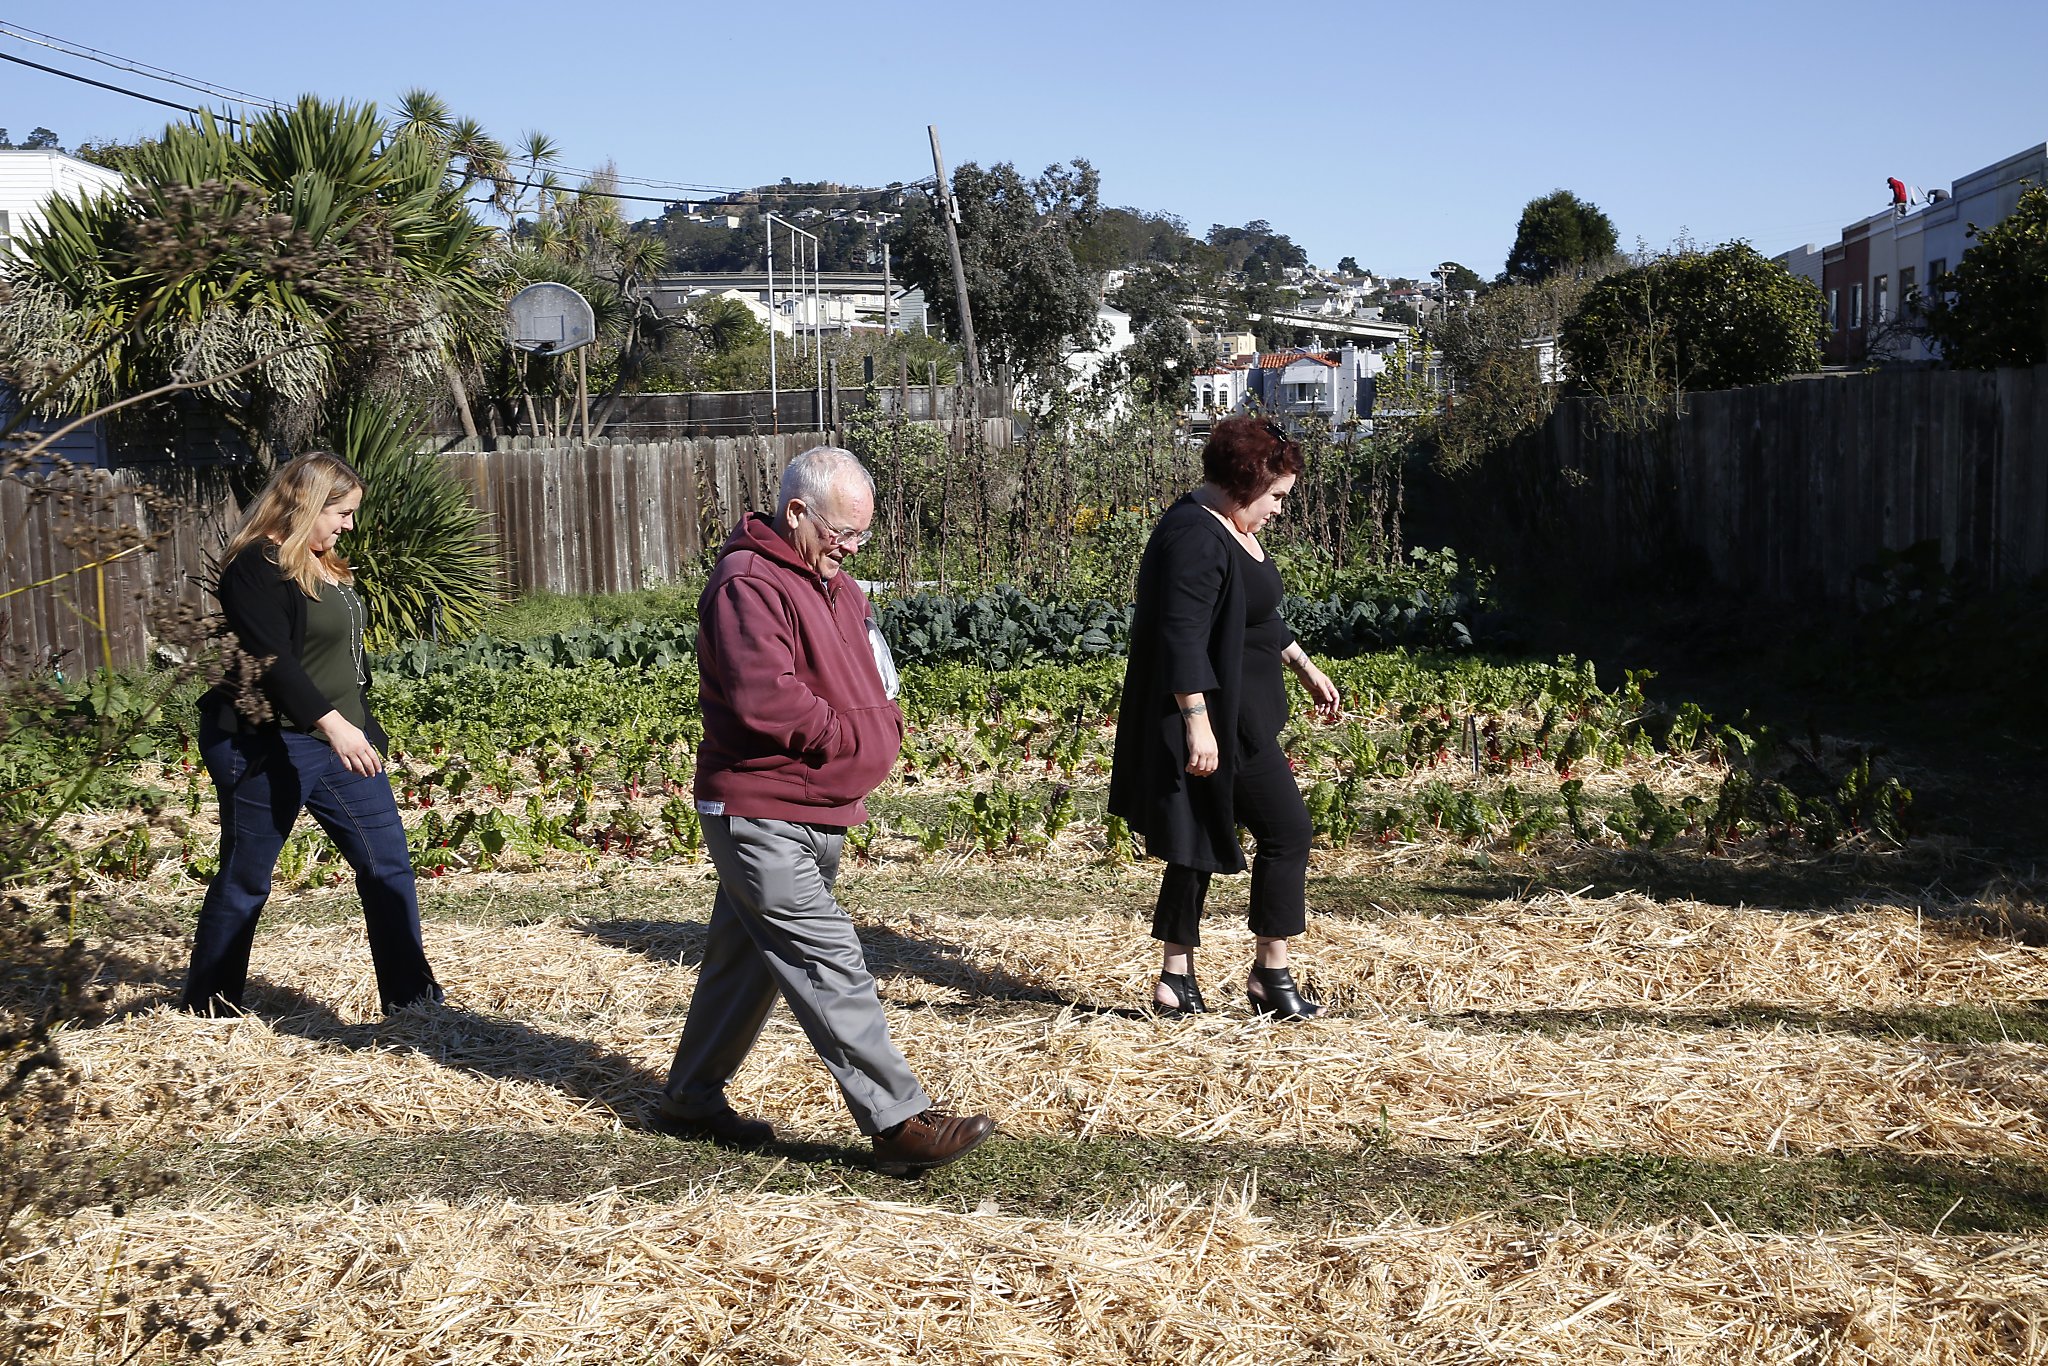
{"x":1267,"y":803}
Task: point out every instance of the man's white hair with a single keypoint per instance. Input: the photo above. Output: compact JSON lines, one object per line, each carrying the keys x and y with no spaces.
{"x":816,"y":475}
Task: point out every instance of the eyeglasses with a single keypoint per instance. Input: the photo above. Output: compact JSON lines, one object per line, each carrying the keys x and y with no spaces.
{"x":1273,"y":430}
{"x":846,"y":537}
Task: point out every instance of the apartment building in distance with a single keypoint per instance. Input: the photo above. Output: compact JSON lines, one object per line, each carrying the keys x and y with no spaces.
{"x":1885,"y":264}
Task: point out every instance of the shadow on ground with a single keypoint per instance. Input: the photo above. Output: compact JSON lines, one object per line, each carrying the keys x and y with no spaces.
{"x":889,"y":953}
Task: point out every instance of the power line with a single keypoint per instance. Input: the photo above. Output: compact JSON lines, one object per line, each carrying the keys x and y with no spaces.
{"x":87,"y":80}
{"x":686,"y":190}
{"x":132,"y":65}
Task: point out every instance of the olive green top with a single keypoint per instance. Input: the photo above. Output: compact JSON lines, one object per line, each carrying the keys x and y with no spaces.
{"x":333,"y":657}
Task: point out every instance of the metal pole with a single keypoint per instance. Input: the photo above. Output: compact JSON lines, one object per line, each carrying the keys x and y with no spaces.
{"x":774,"y":390}
{"x":886,"y":289}
{"x":818,"y":329}
{"x":950,"y":212}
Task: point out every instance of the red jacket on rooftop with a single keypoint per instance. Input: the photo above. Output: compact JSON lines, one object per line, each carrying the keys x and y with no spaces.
{"x":796,"y":725}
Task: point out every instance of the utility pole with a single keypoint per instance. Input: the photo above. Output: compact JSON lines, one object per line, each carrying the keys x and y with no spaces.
{"x":950,"y":212}
{"x":774,"y":388}
{"x":885,"y":296}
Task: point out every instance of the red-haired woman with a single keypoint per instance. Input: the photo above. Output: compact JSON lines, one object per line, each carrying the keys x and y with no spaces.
{"x":288,"y":596}
{"x":1204,"y":701}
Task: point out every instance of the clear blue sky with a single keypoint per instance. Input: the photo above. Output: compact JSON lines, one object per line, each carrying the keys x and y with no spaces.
{"x":1402,"y":135}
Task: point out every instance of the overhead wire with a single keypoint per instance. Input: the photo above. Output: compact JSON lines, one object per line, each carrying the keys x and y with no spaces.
{"x":685,"y":189}
{"x":134,"y":66}
{"x":87,"y":80}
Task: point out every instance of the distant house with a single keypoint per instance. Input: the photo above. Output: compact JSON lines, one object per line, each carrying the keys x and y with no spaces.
{"x":1336,"y":387}
{"x":1216,"y":391}
{"x":1231,"y":346}
{"x":28,"y":180}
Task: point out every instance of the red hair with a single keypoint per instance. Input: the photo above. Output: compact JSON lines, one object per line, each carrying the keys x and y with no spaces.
{"x":1248,"y":455}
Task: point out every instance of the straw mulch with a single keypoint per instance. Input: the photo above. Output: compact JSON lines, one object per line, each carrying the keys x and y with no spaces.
{"x":819,"y":1280}
{"x":1553,"y":952}
{"x":575,"y":1031}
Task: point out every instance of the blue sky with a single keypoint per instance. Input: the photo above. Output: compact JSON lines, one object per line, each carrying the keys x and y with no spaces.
{"x":1401,"y":135}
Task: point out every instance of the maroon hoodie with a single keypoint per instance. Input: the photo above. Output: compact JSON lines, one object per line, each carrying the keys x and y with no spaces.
{"x":796,"y":726}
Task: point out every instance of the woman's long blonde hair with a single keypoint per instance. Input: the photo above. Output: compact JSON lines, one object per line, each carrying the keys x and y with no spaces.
{"x":283,"y":514}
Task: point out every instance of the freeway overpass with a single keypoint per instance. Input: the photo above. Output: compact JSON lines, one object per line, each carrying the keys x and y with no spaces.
{"x":1377,"y":335}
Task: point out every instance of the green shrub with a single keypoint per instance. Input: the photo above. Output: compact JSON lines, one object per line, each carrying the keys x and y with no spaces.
{"x":426,"y":565}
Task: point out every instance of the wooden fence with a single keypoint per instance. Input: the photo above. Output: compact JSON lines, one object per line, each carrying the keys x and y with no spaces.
{"x":92,"y":560}
{"x":1781,"y":491}
{"x":609,"y":517}
{"x":597,"y":517}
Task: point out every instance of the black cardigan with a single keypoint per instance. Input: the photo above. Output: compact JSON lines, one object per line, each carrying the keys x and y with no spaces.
{"x":266,"y":612}
{"x":1187,"y":636}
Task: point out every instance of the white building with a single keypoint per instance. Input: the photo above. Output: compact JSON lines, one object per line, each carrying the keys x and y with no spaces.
{"x":29,"y":179}
{"x":1114,"y":328}
{"x":1216,"y":391}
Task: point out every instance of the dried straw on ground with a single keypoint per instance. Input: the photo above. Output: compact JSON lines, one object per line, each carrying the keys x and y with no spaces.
{"x":579,"y":1023}
{"x":1553,"y":953}
{"x":827,"y":1281}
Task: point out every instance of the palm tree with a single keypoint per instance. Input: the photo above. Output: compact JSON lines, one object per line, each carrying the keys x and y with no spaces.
{"x":310,"y":251}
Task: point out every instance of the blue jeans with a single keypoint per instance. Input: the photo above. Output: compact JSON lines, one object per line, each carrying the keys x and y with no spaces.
{"x":265,"y":776}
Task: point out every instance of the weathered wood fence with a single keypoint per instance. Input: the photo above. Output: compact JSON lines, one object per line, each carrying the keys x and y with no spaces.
{"x":595,"y":517}
{"x":1781,"y":491}
{"x":609,"y":517}
{"x":91,"y":560}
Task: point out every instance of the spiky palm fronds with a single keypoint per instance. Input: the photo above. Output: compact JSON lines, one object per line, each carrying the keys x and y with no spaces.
{"x":422,"y":558}
{"x":267,"y":264}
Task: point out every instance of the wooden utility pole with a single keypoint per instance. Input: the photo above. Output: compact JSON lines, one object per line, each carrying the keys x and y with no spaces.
{"x":949,"y":212}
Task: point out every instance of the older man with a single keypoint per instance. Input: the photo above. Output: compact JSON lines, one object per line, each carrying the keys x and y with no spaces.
{"x":798,"y":729}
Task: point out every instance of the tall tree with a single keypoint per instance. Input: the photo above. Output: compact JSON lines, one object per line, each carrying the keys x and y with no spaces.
{"x":1992,"y":310}
{"x":1162,"y":356}
{"x":1559,"y":232}
{"x":1693,"y":320}
{"x":1034,"y":301}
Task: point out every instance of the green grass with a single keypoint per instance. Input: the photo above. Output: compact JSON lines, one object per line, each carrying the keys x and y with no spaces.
{"x":1304,"y":1188}
{"x":540,"y":614}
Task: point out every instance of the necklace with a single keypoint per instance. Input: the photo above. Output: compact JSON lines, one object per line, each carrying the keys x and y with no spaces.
{"x":358,"y":617}
{"x":1244,"y":538}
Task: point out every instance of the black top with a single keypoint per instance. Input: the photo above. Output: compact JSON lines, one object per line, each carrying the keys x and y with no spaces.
{"x":1264,"y":712}
{"x":266,"y":613}
{"x":333,"y":657}
{"x":1190,"y":633}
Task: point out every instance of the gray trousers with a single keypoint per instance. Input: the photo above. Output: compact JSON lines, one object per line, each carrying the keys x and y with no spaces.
{"x":776,"y":928}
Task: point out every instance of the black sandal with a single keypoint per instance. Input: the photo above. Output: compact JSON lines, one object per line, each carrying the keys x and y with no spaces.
{"x":1283,"y":998}
{"x":1187,"y":995}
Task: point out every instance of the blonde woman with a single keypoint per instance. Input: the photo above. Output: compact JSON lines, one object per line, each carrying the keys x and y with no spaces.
{"x":288,"y":596}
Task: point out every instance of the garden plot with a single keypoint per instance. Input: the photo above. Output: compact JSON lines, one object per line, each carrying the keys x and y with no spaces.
{"x":1005,"y":919}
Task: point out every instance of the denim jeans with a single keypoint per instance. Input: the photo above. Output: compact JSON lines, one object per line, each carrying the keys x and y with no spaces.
{"x":265,"y":776}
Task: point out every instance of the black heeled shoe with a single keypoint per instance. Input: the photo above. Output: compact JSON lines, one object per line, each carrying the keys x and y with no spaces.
{"x":1185,"y":992}
{"x":1283,"y":999}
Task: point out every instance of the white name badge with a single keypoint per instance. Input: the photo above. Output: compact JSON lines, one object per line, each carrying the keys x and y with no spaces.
{"x":711,"y":808}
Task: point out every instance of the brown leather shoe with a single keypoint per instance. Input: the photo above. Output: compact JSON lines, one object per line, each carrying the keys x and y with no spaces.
{"x":929,"y":1140}
{"x":727,"y":1127}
